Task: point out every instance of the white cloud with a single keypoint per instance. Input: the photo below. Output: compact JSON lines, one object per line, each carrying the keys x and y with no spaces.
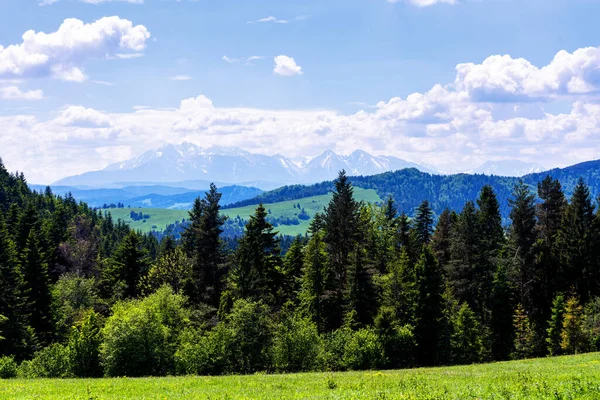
{"x":425,"y":3}
{"x":61,"y":54}
{"x":15,"y":93}
{"x":286,"y":66}
{"x":503,"y":78}
{"x":180,"y":78}
{"x":269,"y":19}
{"x":230,"y":60}
{"x":447,"y":126}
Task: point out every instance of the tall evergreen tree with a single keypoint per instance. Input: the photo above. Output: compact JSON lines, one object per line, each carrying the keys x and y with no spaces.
{"x":15,"y":329}
{"x":37,"y":287}
{"x":555,"y":326}
{"x":203,"y":244}
{"x":399,"y":289}
{"x":423,"y":225}
{"x":430,"y":307}
{"x":293,"y":265}
{"x":442,"y":237}
{"x":501,"y":323}
{"x":578,"y":241}
{"x":341,"y":230}
{"x":256,"y":271}
{"x":314,"y":279}
{"x":521,"y":240}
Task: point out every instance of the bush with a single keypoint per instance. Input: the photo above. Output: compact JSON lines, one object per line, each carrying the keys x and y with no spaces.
{"x":84,"y":347}
{"x":72,"y":297}
{"x":8,"y":367}
{"x":140,"y":337}
{"x":591,"y":323}
{"x":332,"y":357}
{"x":206,"y":354}
{"x":363,"y":350}
{"x":296,"y":345}
{"x":50,"y":362}
{"x":399,"y":343}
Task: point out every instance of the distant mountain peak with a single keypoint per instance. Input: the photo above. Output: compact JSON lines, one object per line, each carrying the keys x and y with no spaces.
{"x":187,"y":161}
{"x":514,"y":168}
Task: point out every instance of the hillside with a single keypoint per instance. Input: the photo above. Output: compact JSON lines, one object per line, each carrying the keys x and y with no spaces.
{"x":409,"y":187}
{"x":284,"y":215}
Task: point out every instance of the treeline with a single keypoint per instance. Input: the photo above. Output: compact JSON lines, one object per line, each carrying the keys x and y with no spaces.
{"x":369,"y":288}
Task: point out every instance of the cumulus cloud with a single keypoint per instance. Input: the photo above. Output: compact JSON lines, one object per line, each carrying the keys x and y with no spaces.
{"x":15,"y":93}
{"x":448,"y":126}
{"x":503,"y":78}
{"x":61,"y":54}
{"x":425,"y":3}
{"x":286,"y":66}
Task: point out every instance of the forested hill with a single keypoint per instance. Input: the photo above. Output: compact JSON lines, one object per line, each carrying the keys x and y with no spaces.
{"x":409,"y":187}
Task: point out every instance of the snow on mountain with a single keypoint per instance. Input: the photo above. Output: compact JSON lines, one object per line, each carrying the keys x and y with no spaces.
{"x":508,"y":168}
{"x":186,"y":161}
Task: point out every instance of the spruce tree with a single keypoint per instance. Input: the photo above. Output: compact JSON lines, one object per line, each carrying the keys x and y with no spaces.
{"x":15,"y":329}
{"x":441,"y":239}
{"x":573,"y":338}
{"x":524,"y":343}
{"x":423,"y":225}
{"x":521,"y":239}
{"x":37,"y":287}
{"x":341,"y":230}
{"x":501,"y":322}
{"x":293,"y":265}
{"x":555,"y":326}
{"x":578,"y":242}
{"x":256,"y":271}
{"x":429,"y":307}
{"x":467,"y":338}
{"x":314,"y":280}
{"x":399,"y":289}
{"x":202,"y":242}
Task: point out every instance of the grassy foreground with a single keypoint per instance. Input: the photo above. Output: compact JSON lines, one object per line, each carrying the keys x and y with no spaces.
{"x":575,"y":377}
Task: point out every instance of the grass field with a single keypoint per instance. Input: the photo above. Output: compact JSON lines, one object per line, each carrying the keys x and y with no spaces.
{"x":574,"y":377}
{"x":160,"y":218}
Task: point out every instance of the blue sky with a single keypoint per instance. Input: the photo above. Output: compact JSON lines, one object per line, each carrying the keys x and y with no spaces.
{"x":312,"y":75}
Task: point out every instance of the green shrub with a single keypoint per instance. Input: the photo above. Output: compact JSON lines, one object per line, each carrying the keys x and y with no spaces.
{"x":8,"y":367}
{"x":334,"y":346}
{"x":72,"y":297}
{"x":398,"y":342}
{"x":84,"y":347}
{"x":296,"y":345}
{"x":141,"y":336}
{"x":363,"y":350}
{"x":206,"y":354}
{"x":50,"y":362}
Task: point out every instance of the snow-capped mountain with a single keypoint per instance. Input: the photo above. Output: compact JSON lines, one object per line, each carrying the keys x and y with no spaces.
{"x":508,"y":168}
{"x":186,"y":161}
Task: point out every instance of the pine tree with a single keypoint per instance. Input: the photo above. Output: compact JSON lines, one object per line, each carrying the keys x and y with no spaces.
{"x":524,"y":342}
{"x":555,"y":326}
{"x":573,"y":338}
{"x":129,"y":263}
{"x":361,"y":294}
{"x":314,"y":279}
{"x":522,"y":237}
{"x":463,"y":269}
{"x":578,"y":241}
{"x":15,"y":329}
{"x":441,"y":239}
{"x":202,"y":241}
{"x":256,"y":272}
{"x":341,"y":229}
{"x":293,"y":265}
{"x":37,"y":287}
{"x":548,"y":274}
{"x":501,"y":322}
{"x":430,"y":307}
{"x":467,"y":338}
{"x":399,"y":289}
{"x":423,"y":225}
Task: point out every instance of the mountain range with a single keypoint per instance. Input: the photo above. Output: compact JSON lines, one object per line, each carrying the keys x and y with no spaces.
{"x":231,"y":165}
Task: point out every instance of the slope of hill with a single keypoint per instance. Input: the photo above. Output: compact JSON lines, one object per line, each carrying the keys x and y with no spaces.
{"x":409,"y":187}
{"x":175,"y":163}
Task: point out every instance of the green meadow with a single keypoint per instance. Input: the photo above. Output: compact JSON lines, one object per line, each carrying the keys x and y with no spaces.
{"x":571,"y":377}
{"x":160,"y":218}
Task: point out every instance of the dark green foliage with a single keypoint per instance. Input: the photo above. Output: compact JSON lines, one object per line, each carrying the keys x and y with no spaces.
{"x":423,"y":224}
{"x":255,"y":274}
{"x":72,"y":297}
{"x":84,"y":347}
{"x":50,"y":362}
{"x":293,"y":265}
{"x":555,"y":326}
{"x":467,"y":337}
{"x":8,"y":367}
{"x":296,"y":345}
{"x":501,"y":323}
{"x":430,"y":307}
{"x":202,"y":242}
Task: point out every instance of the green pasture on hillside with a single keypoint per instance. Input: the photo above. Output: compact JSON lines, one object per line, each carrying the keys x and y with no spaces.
{"x":574,"y":377}
{"x":160,"y":218}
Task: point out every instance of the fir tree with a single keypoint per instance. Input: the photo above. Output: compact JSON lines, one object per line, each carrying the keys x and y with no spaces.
{"x":573,"y":338}
{"x":524,"y":343}
{"x":501,"y":322}
{"x":555,"y":326}
{"x":423,"y":225}
{"x":429,"y":307}
{"x":467,"y":338}
{"x":293,"y":265}
{"x":314,"y":279}
{"x":441,"y":239}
